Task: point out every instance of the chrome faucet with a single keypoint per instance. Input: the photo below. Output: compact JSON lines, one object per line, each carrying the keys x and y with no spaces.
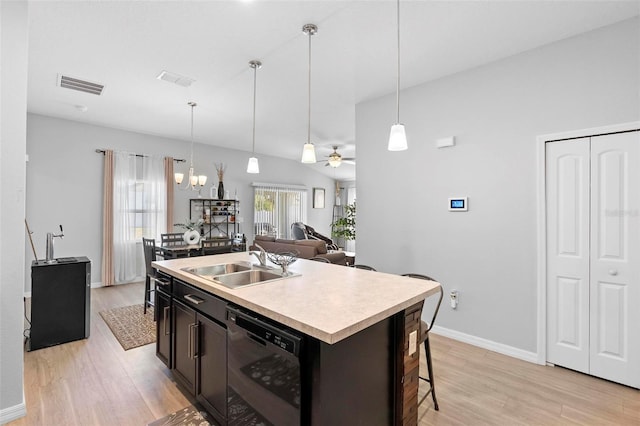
{"x":262,"y":256}
{"x":50,"y":236}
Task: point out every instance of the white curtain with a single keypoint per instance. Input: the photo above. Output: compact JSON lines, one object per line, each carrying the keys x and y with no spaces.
{"x":139,"y":210}
{"x":276,"y":207}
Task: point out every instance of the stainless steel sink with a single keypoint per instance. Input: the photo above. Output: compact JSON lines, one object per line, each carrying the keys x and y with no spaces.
{"x":240,"y":279}
{"x":211,"y":271}
{"x":234,"y":275}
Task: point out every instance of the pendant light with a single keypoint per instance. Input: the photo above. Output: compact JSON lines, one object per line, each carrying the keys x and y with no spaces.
{"x":309,"y":151}
{"x":194,"y":180}
{"x":253,"y":166}
{"x":397,"y":136}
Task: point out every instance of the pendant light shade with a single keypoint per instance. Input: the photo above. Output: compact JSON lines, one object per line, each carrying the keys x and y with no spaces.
{"x":252,"y":165}
{"x":309,"y":151}
{"x":397,"y":138}
{"x":397,"y":135}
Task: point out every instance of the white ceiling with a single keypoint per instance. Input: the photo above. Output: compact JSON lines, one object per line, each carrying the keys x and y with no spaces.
{"x":125,"y":45}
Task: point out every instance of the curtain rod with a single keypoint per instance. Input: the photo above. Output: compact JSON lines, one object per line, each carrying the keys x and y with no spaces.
{"x":177,"y":160}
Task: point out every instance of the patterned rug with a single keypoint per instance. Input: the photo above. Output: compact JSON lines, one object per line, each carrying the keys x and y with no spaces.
{"x":193,"y":415}
{"x":130,"y":326}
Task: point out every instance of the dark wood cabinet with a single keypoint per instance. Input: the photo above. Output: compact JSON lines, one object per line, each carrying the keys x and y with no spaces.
{"x":184,"y":365}
{"x":163,"y":327}
{"x":199,"y":347}
{"x":211,"y":367}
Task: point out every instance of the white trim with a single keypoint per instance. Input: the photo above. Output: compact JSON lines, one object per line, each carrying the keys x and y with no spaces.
{"x":279,"y":185}
{"x":486,"y":344}
{"x":10,"y":414}
{"x":542,"y":221}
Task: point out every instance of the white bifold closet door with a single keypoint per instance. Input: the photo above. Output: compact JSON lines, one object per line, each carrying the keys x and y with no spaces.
{"x":593,"y":255}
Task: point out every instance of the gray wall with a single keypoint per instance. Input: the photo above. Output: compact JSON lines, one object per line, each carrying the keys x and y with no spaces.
{"x":496,"y":111}
{"x":13,"y":56}
{"x":64,"y":182}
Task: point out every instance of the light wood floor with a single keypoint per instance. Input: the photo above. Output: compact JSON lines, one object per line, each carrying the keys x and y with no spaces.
{"x":95,"y":382}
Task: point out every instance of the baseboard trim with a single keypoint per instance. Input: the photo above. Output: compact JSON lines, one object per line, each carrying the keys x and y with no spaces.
{"x":10,"y":414}
{"x":487,"y":344}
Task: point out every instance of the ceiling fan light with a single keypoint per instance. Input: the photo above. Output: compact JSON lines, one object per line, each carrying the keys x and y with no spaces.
{"x":253,"y":166}
{"x":179,"y":177}
{"x":335,"y":160}
{"x":397,"y":138}
{"x":308,"y":153}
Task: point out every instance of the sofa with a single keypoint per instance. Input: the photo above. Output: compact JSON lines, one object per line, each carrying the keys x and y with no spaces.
{"x":306,"y":249}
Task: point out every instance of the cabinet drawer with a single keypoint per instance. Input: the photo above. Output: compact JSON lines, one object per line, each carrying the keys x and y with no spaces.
{"x":163,"y":282}
{"x":210,"y":305}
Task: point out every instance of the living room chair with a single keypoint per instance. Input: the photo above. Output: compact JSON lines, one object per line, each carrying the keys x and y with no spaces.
{"x":149,"y":246}
{"x":424,"y":339}
{"x":298,"y":231}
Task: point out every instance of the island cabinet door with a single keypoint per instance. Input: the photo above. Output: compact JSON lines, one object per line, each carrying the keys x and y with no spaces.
{"x":163,"y":327}
{"x":212,"y":367}
{"x":184,"y":343}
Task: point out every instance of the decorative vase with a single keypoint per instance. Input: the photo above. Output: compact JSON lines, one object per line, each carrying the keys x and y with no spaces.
{"x":191,"y":237}
{"x":220,"y":190}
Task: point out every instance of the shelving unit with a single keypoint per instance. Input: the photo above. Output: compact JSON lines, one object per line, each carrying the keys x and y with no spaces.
{"x":220,"y":217}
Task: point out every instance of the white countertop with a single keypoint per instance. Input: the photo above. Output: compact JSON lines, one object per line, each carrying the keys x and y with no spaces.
{"x":329,"y":302}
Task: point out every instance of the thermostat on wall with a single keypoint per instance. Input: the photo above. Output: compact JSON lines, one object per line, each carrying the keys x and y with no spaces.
{"x":458,"y":204}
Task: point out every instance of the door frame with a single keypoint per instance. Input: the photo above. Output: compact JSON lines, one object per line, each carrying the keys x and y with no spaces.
{"x":541,"y":264}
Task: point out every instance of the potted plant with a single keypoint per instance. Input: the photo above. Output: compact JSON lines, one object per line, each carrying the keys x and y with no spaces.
{"x":192,"y":233}
{"x":345,"y":227}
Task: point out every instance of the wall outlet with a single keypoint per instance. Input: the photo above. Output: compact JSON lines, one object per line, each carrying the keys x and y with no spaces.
{"x":453,"y":297}
{"x":413,"y":342}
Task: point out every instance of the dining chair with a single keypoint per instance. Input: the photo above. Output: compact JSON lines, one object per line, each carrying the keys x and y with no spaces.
{"x":216,"y":245}
{"x":149,"y":246}
{"x":424,"y":339}
{"x":365,"y":267}
{"x":172,"y":239}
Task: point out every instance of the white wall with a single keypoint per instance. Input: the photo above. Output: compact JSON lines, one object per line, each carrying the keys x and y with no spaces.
{"x":496,"y":111}
{"x":13,"y":101}
{"x":64,"y":182}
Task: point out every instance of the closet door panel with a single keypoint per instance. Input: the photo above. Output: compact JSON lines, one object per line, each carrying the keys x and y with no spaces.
{"x":615,"y":258}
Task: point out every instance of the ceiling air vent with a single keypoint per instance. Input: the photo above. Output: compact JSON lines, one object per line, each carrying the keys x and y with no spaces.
{"x":178,"y":79}
{"x":80,"y":85}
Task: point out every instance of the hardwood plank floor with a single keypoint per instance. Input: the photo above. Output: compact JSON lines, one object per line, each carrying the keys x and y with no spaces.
{"x":95,"y":382}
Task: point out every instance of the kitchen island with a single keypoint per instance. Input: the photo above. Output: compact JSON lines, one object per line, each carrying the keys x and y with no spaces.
{"x":352,"y":327}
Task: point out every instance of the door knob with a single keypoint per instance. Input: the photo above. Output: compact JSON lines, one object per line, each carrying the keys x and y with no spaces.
{"x":613,"y":272}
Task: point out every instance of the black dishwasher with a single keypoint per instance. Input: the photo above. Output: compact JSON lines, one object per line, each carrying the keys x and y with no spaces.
{"x":263,"y":371}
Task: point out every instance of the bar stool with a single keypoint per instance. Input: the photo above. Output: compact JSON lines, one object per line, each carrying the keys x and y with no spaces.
{"x":424,"y":338}
{"x":365,"y":267}
{"x":149,"y":245}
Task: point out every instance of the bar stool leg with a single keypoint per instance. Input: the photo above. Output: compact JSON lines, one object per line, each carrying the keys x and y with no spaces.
{"x":147,"y":292}
{"x":427,"y":352}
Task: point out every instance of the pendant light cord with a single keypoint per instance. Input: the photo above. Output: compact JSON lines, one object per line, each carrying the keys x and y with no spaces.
{"x":309,"y":93}
{"x":193,"y":104}
{"x":398,"y":73}
{"x":253,"y":146}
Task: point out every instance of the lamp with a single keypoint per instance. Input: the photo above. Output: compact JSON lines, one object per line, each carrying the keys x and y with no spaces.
{"x":309,"y":152}
{"x":194,"y":180}
{"x":397,"y":136}
{"x":253,"y":166}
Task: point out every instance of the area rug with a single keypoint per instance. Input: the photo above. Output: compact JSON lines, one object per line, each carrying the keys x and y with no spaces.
{"x":192,"y":415}
{"x":130,"y":326}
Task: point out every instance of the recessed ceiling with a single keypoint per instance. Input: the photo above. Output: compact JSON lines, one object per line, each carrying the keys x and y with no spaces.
{"x":125,"y":45}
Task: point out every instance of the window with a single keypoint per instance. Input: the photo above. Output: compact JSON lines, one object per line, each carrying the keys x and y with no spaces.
{"x":276,"y":207}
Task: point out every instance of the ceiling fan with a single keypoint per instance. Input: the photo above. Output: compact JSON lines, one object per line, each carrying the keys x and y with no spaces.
{"x":335,"y":159}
